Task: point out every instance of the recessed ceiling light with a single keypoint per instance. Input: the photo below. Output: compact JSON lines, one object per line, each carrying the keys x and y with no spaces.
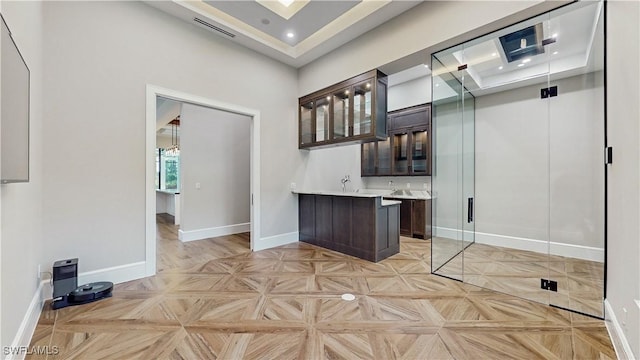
{"x":290,"y":35}
{"x":328,"y":97}
{"x":346,"y":92}
{"x":555,"y":35}
{"x":555,"y":53}
{"x":427,"y":66}
{"x":526,"y":60}
{"x":265,"y":21}
{"x":286,"y":3}
{"x":494,"y":54}
{"x":500,"y":67}
{"x":368,"y":85}
{"x":520,"y":65}
{"x":437,"y":85}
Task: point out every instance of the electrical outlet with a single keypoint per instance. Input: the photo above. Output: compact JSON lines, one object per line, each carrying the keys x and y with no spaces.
{"x":39,"y":275}
{"x":293,"y":186}
{"x":408,"y":185}
{"x":424,"y":186}
{"x":624,"y":316}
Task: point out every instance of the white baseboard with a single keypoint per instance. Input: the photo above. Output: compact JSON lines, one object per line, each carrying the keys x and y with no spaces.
{"x":200,"y":234}
{"x":619,"y":340}
{"x":539,"y":246}
{"x":276,"y":240}
{"x":28,"y":325}
{"x":116,"y":274}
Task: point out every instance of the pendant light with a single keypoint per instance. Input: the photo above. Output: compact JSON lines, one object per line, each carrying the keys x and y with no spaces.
{"x":174,"y":149}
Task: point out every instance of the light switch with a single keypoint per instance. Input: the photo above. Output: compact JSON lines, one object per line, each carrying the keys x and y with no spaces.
{"x":293,"y":186}
{"x":198,"y":185}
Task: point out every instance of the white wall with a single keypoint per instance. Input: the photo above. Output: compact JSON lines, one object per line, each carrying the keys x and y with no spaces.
{"x":409,"y":93}
{"x":214,"y":154}
{"x":95,"y":199}
{"x":539,"y":162}
{"x":21,"y":239}
{"x":623,"y":132}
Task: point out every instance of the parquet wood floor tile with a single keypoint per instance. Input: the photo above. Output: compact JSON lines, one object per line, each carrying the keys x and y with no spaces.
{"x":215,"y":299}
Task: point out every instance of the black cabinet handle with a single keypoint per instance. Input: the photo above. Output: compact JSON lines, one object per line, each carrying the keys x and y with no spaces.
{"x":469,"y":210}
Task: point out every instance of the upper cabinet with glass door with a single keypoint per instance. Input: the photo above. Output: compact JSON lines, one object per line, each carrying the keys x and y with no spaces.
{"x":352,"y":111}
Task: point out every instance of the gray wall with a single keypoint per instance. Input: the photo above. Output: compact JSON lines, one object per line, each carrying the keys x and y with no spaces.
{"x":623,"y":132}
{"x":21,"y":234}
{"x":214,"y":152}
{"x":539,"y":162}
{"x":94,"y":200}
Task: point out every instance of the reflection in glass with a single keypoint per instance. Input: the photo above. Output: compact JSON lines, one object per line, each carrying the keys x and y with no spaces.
{"x":306,"y":135}
{"x":362,"y":109}
{"x":322,"y":119}
{"x":368,"y":158}
{"x":340,"y":114}
{"x":400,"y":159}
{"x":384,"y":157}
{"x":419,"y":152}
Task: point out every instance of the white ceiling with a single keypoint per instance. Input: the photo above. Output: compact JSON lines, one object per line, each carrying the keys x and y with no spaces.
{"x":575,"y":31}
{"x":318,"y":26}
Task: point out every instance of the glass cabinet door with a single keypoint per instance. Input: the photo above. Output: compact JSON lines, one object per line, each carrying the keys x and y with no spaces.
{"x":400,"y":153}
{"x":340,"y":125}
{"x":419,"y":152}
{"x":369,"y":159}
{"x":306,"y":133}
{"x":362,"y":108}
{"x":384,"y":157}
{"x":322,"y":119}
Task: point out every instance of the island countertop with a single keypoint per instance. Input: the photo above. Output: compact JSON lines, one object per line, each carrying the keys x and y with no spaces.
{"x":396,"y":194}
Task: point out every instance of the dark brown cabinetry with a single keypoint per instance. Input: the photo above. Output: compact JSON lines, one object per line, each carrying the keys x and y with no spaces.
{"x":352,"y":111}
{"x":357,"y":226}
{"x":415,"y":218}
{"x":407,"y":150}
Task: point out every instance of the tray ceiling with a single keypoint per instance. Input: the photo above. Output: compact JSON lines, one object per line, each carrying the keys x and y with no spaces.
{"x":295,"y":34}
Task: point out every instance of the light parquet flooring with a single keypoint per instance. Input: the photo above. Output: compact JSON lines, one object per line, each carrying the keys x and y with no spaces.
{"x":518,"y":272}
{"x":215,"y":299}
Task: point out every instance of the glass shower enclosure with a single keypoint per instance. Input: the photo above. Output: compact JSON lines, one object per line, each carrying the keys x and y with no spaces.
{"x":518,"y":167}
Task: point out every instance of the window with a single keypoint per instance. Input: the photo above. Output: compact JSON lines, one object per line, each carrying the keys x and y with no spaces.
{"x":167,"y":171}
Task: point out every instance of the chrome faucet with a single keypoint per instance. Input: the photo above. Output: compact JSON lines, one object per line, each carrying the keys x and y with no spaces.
{"x":391,"y":186}
{"x":344,"y":182}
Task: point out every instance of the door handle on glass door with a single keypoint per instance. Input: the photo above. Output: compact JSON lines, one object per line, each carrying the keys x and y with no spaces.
{"x":469,"y":210}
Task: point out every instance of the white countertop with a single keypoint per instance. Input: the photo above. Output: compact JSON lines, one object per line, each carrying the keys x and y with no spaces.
{"x":397,"y":194}
{"x":169,"y":191}
{"x":335,"y":193}
{"x":390,"y":202}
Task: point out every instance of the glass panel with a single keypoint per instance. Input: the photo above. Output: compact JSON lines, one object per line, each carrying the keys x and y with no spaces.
{"x":384,"y":157}
{"x":576,"y":143}
{"x":368,"y":159}
{"x":525,"y":105}
{"x":340,"y":114}
{"x":419,"y":154}
{"x":505,"y":72}
{"x":446,"y":177}
{"x":322,"y":119}
{"x":306,"y":136}
{"x":400,"y":153}
{"x":362,"y":109}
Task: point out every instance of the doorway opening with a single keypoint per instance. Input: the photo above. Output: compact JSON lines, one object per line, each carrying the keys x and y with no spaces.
{"x":153,"y":94}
